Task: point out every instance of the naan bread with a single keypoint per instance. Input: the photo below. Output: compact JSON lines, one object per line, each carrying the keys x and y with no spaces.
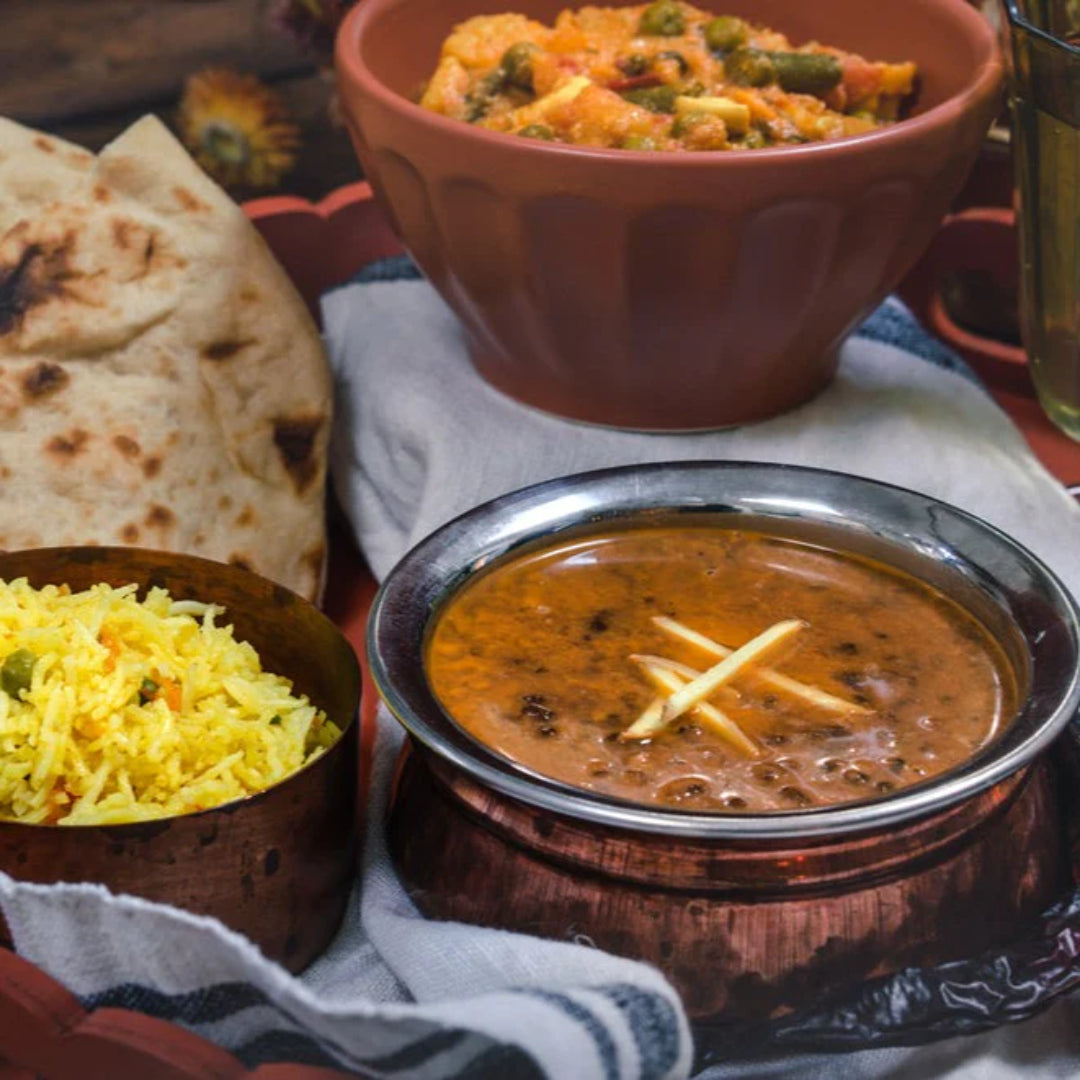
{"x":161,"y":383}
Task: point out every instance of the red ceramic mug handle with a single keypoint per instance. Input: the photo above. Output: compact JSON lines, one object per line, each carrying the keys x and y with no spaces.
{"x":979,"y":238}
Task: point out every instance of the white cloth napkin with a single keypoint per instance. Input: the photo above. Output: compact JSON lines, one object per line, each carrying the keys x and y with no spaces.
{"x":419,"y":438}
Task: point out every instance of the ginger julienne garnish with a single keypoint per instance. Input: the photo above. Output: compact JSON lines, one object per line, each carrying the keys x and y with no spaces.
{"x":773,"y":679}
{"x":690,"y":688}
{"x":668,"y":676}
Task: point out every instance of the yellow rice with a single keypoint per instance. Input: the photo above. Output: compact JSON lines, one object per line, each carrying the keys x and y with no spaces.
{"x":138,"y":709}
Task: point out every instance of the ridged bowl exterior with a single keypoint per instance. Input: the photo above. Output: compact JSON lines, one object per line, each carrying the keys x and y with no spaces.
{"x":665,"y":291}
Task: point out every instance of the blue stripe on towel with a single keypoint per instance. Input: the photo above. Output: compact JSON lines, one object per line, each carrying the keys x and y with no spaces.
{"x":285,"y":1042}
{"x":392,"y":268}
{"x":605,"y":1045}
{"x":891,"y":324}
{"x":284,"y":1047}
{"x":205,"y":1006}
{"x":652,"y":1020}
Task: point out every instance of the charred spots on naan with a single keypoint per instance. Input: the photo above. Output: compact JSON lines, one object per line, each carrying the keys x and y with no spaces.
{"x":130,"y":533}
{"x":44,"y":145}
{"x":36,"y":276}
{"x":101,"y":194}
{"x":142,"y":247}
{"x":64,"y":448}
{"x":219,"y":351}
{"x":159,"y":517}
{"x":127,"y":447}
{"x":130,"y":237}
{"x":17,"y":289}
{"x":188,"y":201}
{"x":151,"y":466}
{"x":242,"y":561}
{"x":43,"y":380}
{"x":123,"y":233}
{"x":246,"y":517}
{"x":295,"y":437}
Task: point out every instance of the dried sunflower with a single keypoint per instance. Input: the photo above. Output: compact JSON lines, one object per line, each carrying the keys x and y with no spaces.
{"x":237,"y":129}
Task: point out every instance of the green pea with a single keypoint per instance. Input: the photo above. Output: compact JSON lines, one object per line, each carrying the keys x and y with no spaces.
{"x":517,"y":65}
{"x":17,"y":672}
{"x":754,"y":139}
{"x":537,"y":131}
{"x":687,"y":122}
{"x":674,"y":54}
{"x":726,"y":33}
{"x":635,"y":64}
{"x":750,"y":67}
{"x":275,"y":720}
{"x":638,"y":142}
{"x":147,"y":691}
{"x":657,"y":99}
{"x":663,"y":18}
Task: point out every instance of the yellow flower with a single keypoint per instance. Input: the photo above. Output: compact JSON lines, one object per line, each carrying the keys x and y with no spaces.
{"x":237,"y":129}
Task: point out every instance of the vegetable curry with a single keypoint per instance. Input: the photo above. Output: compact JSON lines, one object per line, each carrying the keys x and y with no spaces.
{"x":662,"y":76}
{"x":712,"y":669}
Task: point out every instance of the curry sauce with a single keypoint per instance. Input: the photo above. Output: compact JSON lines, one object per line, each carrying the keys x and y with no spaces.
{"x":534,"y":658}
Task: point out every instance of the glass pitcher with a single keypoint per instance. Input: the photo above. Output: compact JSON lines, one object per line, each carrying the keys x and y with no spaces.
{"x":1042,"y":44}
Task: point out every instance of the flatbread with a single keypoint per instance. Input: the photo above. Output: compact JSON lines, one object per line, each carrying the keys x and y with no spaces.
{"x":162,"y":384}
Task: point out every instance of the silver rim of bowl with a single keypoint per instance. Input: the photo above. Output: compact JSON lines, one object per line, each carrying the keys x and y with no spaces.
{"x":1004,"y":584}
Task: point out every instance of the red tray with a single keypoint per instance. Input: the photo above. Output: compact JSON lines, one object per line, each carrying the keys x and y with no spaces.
{"x":44,"y":1031}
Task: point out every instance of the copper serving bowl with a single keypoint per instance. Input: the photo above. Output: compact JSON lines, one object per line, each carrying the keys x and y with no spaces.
{"x":666,"y":290}
{"x":748,"y":914}
{"x":277,"y":866}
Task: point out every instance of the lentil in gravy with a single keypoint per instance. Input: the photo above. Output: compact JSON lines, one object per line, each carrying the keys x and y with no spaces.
{"x":532,"y":659}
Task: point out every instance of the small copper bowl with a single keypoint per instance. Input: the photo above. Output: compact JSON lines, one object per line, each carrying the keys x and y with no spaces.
{"x":655,"y":290}
{"x":277,"y":866}
{"x":749,"y":915}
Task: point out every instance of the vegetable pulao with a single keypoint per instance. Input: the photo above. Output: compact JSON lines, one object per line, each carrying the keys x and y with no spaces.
{"x":115,"y":709}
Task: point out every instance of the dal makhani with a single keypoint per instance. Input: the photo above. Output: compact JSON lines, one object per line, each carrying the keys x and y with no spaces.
{"x":717,"y":670}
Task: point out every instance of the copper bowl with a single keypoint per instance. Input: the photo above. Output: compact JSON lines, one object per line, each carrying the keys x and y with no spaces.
{"x":277,"y":866}
{"x":666,"y":291}
{"x":748,"y":914}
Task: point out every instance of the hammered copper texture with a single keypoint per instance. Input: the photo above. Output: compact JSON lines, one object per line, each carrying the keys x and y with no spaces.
{"x":666,"y":291}
{"x":278,"y":866}
{"x":745,"y":931}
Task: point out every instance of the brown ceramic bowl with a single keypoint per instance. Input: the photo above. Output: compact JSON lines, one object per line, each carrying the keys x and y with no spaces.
{"x":666,"y":291}
{"x":277,"y":866}
{"x":748,"y":914}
